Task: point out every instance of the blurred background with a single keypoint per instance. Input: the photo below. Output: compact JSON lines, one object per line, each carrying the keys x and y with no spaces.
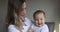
{"x":51,"y":8}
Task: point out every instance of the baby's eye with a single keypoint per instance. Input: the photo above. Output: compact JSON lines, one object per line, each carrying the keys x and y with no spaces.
{"x":38,"y":19}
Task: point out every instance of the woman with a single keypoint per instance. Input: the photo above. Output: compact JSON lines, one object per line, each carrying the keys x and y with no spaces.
{"x":15,"y":15}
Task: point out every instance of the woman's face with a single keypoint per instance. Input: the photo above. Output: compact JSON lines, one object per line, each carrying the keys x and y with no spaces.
{"x":39,"y":19}
{"x":22,"y":10}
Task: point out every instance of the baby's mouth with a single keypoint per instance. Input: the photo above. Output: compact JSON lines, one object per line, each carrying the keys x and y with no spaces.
{"x":39,"y":24}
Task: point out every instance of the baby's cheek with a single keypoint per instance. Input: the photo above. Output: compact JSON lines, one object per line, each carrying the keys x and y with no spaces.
{"x":36,"y":23}
{"x":42,"y":22}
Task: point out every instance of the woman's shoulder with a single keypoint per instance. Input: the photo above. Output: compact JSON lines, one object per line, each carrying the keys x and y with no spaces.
{"x":12,"y":28}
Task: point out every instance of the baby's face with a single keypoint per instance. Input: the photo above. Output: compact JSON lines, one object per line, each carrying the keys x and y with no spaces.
{"x":39,"y":19}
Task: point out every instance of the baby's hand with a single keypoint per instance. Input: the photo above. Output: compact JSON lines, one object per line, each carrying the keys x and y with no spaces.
{"x":30,"y":30}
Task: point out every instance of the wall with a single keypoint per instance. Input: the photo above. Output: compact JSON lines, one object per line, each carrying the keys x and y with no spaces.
{"x":3,"y":10}
{"x":57,"y":22}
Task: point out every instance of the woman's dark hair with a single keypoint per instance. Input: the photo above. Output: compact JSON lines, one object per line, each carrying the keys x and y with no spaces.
{"x":37,"y":12}
{"x":13,"y":6}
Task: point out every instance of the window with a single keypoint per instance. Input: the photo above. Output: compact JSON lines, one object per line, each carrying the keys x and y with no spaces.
{"x":59,"y":27}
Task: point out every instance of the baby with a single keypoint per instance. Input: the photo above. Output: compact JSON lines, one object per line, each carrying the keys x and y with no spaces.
{"x":39,"y":22}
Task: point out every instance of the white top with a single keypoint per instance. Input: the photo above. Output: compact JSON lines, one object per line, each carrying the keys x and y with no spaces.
{"x":12,"y":28}
{"x":43,"y":28}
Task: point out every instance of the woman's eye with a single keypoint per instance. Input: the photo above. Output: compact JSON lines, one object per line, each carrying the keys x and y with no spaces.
{"x":40,"y":19}
{"x":36,"y":20}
